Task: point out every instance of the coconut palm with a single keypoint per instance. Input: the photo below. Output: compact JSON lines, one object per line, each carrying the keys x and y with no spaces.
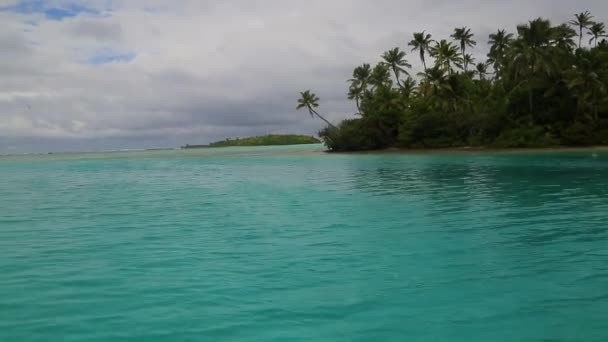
{"x":582,"y":20}
{"x":596,"y":30}
{"x":464,"y":37}
{"x":355,"y":92}
{"x":435,"y":82}
{"x":482,"y":70}
{"x":408,"y":87}
{"x":395,"y":59}
{"x":310,"y":101}
{"x":586,"y":83}
{"x":446,"y":55}
{"x":499,"y":43}
{"x":421,"y":42}
{"x":380,"y":75}
{"x":361,"y":75}
{"x":531,"y":62}
{"x":358,"y":84}
{"x":535,"y":33}
{"x":468,"y":59}
{"x":529,"y":66}
{"x":562,"y":36}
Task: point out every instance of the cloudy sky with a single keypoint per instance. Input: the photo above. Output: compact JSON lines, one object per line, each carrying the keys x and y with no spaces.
{"x":112,"y":74}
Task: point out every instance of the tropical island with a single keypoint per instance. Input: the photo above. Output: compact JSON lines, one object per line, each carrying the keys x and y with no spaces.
{"x":542,"y":86}
{"x":264,"y":140}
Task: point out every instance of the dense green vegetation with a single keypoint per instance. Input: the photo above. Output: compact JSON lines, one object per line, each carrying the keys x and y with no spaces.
{"x":544,"y":85}
{"x":265,"y":140}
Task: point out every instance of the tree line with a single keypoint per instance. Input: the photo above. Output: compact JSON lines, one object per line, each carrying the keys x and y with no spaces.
{"x":543,"y":85}
{"x":262,"y":140}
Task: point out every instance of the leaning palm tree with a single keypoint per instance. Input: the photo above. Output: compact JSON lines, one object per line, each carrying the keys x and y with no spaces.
{"x":596,"y":30}
{"x":464,"y":36}
{"x":422,"y":43}
{"x":582,"y":20}
{"x":395,"y":59}
{"x":446,"y":55}
{"x":310,"y":101}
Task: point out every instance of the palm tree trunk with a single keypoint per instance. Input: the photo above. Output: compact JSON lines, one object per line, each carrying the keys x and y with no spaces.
{"x":422,"y":58}
{"x":322,"y":118}
{"x":357,"y":103}
{"x":397,"y":77}
{"x":580,"y":36}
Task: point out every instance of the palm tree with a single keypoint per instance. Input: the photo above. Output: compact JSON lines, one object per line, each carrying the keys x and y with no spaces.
{"x":531,"y":62}
{"x":464,"y":36}
{"x":310,"y":101}
{"x":355,"y":92}
{"x":535,"y":33}
{"x":395,"y":59}
{"x":468,"y":59}
{"x":562,"y":36}
{"x":380,"y":75}
{"x":435,"y":82}
{"x":408,"y":87}
{"x":586,"y":83}
{"x":499,"y":42}
{"x":482,"y":70}
{"x":596,"y":30}
{"x":582,"y":20}
{"x":361,"y":75}
{"x":446,"y":55}
{"x":358,"y":84}
{"x":422,"y":43}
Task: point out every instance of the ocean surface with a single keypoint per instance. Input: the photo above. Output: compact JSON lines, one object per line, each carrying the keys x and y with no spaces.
{"x":291,"y":244}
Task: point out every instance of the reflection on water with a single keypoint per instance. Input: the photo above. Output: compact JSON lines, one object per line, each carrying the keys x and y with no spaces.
{"x":548,"y":192}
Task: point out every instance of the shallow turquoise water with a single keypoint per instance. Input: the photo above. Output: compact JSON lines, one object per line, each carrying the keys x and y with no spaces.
{"x":284,"y":244}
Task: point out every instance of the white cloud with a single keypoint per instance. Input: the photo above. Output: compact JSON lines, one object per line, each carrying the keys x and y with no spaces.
{"x":207,"y":69}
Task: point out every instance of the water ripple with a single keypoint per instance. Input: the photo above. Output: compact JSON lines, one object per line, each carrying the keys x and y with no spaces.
{"x":297,"y":245}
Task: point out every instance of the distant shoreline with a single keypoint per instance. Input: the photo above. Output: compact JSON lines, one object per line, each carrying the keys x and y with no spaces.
{"x":263,"y":140}
{"x":388,"y":151}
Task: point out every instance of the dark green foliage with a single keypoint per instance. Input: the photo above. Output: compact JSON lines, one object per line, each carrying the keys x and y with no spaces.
{"x":264,"y":140}
{"x":538,"y":88}
{"x":351,"y":135}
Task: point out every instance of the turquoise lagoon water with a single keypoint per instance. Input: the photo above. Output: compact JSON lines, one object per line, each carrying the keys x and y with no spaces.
{"x":290,"y":244}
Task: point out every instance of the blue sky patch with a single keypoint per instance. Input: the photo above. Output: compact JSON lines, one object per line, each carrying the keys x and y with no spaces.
{"x":51,"y":12}
{"x":109,"y":56}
